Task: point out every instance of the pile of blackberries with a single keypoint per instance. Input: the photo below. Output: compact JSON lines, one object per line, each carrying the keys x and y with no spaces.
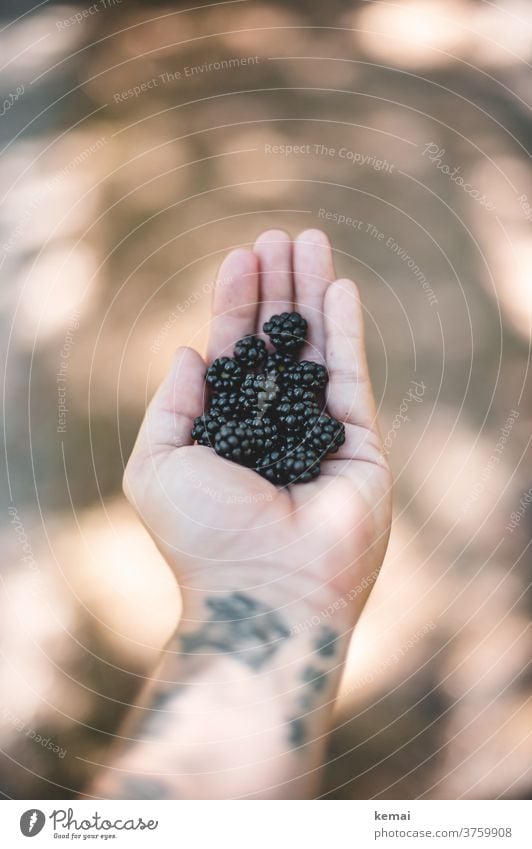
{"x":266,"y":410}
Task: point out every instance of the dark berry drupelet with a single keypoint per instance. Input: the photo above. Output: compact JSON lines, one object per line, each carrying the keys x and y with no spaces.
{"x":206,"y":427}
{"x":258,"y":394}
{"x":283,"y":467}
{"x":287,"y":331}
{"x":224,"y":374}
{"x":308,"y":375}
{"x":279,"y":364}
{"x":235,"y":441}
{"x":325,"y":435}
{"x":250,"y":352}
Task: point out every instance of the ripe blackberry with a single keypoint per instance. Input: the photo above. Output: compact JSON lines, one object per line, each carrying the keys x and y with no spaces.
{"x":325,"y":435}
{"x":291,"y":394}
{"x":279,"y":364}
{"x":224,"y":373}
{"x":250,"y":352}
{"x":308,"y":375}
{"x":235,"y":441}
{"x":258,"y":393}
{"x":282,"y":468}
{"x":206,"y":427}
{"x":295,"y":418}
{"x":265,"y":435}
{"x":287,"y":331}
{"x":225,"y":404}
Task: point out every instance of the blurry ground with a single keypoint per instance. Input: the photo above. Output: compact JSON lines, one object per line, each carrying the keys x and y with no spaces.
{"x":116,"y":210}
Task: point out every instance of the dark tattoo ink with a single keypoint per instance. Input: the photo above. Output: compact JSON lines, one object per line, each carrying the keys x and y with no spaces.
{"x":326,"y":644}
{"x":160,"y":699}
{"x":314,"y":678}
{"x":296,"y":732}
{"x":239,"y":626}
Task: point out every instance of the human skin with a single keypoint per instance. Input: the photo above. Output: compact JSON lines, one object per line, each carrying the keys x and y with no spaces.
{"x":272,"y":580}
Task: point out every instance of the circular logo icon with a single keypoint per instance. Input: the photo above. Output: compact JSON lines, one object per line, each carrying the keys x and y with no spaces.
{"x":32,"y":822}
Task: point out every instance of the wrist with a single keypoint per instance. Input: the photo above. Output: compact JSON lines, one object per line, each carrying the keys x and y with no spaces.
{"x":301,"y":600}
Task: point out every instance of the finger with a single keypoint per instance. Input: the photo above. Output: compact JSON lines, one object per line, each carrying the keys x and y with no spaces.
{"x":313,"y":273}
{"x":235,"y":302}
{"x":349,"y":395}
{"x":274,"y":250}
{"x":168,"y":420}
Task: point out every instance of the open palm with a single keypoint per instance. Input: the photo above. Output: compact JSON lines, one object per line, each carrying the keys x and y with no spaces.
{"x":221,"y":526}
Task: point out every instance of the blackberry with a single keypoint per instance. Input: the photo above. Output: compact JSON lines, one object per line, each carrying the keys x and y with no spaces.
{"x":269,"y":466}
{"x":250,"y":352}
{"x":265,"y":435}
{"x":235,"y":441}
{"x":225,"y":404}
{"x":287,"y":331}
{"x":206,"y":427}
{"x":258,"y":393}
{"x":325,"y":435}
{"x":295,"y":418}
{"x":279,"y":364}
{"x":308,"y":375}
{"x":291,"y":394}
{"x":224,"y":373}
{"x":299,"y":466}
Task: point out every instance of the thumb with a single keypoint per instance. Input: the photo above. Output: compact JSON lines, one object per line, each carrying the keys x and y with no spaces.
{"x":168,"y":420}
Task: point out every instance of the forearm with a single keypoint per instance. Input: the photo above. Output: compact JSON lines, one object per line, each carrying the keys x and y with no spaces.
{"x":240,"y":707}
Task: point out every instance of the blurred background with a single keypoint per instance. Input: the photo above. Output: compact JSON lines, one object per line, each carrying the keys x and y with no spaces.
{"x":138,"y":143}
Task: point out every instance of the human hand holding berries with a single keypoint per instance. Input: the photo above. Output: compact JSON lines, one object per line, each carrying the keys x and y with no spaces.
{"x":222,"y":526}
{"x":244,"y":697}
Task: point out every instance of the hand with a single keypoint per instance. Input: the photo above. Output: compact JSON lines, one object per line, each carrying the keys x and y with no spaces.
{"x":221,"y":526}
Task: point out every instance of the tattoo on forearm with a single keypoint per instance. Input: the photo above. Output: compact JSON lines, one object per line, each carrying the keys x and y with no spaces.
{"x":248,"y":632}
{"x":326,"y":643}
{"x":315,"y":680}
{"x":239,"y":626}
